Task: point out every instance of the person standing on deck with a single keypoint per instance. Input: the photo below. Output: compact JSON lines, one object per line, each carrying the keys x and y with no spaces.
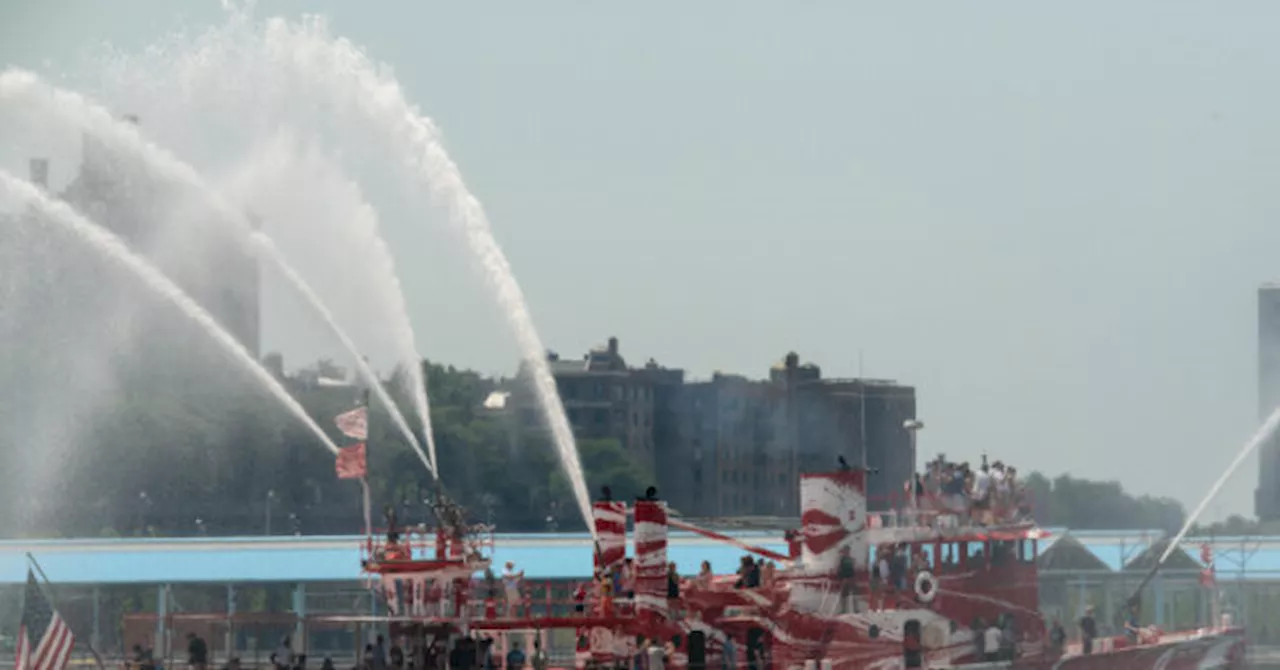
{"x":539,"y":660}
{"x":380,"y":653}
{"x":1057,"y":637}
{"x":511,"y":580}
{"x":845,"y":574}
{"x":991,"y":643}
{"x":1088,"y":630}
{"x":284,"y":654}
{"x":705,"y":576}
{"x":197,"y":652}
{"x":515,"y":657}
{"x":981,"y":494}
{"x":673,"y":591}
{"x":1131,"y":627}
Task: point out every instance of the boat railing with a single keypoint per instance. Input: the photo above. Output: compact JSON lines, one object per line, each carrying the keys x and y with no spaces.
{"x":1149,"y":635}
{"x":545,"y":600}
{"x":936,"y":511}
{"x":422,"y":542}
{"x":484,"y":600}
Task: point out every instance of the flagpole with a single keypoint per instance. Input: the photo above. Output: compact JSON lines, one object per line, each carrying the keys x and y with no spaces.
{"x":364,"y":481}
{"x":368,"y":514}
{"x":48,"y":589}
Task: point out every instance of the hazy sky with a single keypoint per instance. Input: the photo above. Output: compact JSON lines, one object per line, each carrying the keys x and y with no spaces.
{"x":1051,"y":218}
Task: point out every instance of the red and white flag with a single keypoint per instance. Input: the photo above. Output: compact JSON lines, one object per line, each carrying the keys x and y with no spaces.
{"x":354,"y":424}
{"x":351,"y":462}
{"x":44,"y":639}
{"x":1207,"y":576}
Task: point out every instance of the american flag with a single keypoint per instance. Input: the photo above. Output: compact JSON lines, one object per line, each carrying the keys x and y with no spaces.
{"x":354,"y":424}
{"x":44,"y":639}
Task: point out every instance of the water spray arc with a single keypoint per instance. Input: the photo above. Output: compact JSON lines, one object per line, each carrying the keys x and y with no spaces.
{"x":28,"y":87}
{"x":268,"y":249}
{"x":283,"y":154}
{"x":276,"y":73}
{"x":112,"y":248}
{"x":1261,"y":437}
{"x":350,"y":81}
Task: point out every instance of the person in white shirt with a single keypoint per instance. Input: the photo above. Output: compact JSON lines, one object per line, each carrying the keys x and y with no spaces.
{"x":284,"y":654}
{"x":981,"y":492}
{"x":991,"y":644}
{"x":511,"y":585}
{"x":981,"y":483}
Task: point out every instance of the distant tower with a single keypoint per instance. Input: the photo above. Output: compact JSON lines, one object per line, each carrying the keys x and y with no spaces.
{"x":1267,"y":497}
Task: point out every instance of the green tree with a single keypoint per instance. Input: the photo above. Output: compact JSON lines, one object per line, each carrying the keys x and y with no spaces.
{"x":605,"y":463}
{"x":1088,"y":504}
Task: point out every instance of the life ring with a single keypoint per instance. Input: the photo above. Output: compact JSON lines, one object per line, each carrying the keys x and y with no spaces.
{"x":926,"y":587}
{"x":601,"y":639}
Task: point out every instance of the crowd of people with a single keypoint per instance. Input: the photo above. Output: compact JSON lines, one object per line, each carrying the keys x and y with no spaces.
{"x":477,"y":650}
{"x":987,"y":495}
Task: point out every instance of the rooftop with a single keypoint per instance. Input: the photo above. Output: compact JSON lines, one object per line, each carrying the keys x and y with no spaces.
{"x":117,"y":561}
{"x":313,"y":558}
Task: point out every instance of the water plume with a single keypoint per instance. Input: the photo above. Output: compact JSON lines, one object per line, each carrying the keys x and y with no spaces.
{"x":248,"y":77}
{"x":278,"y":179}
{"x":347,"y":81}
{"x":269,"y":250}
{"x":22,"y":194}
{"x":28,"y":89}
{"x":1263,"y":436}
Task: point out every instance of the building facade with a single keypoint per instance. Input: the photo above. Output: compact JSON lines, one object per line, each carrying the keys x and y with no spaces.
{"x":734,"y":446}
{"x":1267,"y":495}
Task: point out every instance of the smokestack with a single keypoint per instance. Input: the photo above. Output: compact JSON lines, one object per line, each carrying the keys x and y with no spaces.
{"x":39,"y":169}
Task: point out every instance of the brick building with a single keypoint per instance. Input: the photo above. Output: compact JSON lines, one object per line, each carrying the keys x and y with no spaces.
{"x":731,"y":445}
{"x":747,"y":441}
{"x":605,"y":399}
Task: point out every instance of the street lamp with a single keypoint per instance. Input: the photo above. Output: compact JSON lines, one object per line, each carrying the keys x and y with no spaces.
{"x":144,"y":508}
{"x":913,"y":426}
{"x":271,"y":496}
{"x":488,"y":501}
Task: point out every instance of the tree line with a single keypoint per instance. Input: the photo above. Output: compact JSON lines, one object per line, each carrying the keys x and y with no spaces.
{"x":219,"y":457}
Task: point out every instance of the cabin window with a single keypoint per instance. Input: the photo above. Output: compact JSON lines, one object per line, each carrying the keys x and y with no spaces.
{"x":1003,"y":552}
{"x":929,"y":553}
{"x":924,"y":557}
{"x":1027,"y":551}
{"x":949,"y":555}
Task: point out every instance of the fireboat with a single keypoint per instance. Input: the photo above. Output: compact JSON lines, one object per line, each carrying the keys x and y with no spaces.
{"x":821,"y":609}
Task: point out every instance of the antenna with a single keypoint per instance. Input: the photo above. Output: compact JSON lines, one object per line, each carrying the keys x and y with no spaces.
{"x":862,"y":414}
